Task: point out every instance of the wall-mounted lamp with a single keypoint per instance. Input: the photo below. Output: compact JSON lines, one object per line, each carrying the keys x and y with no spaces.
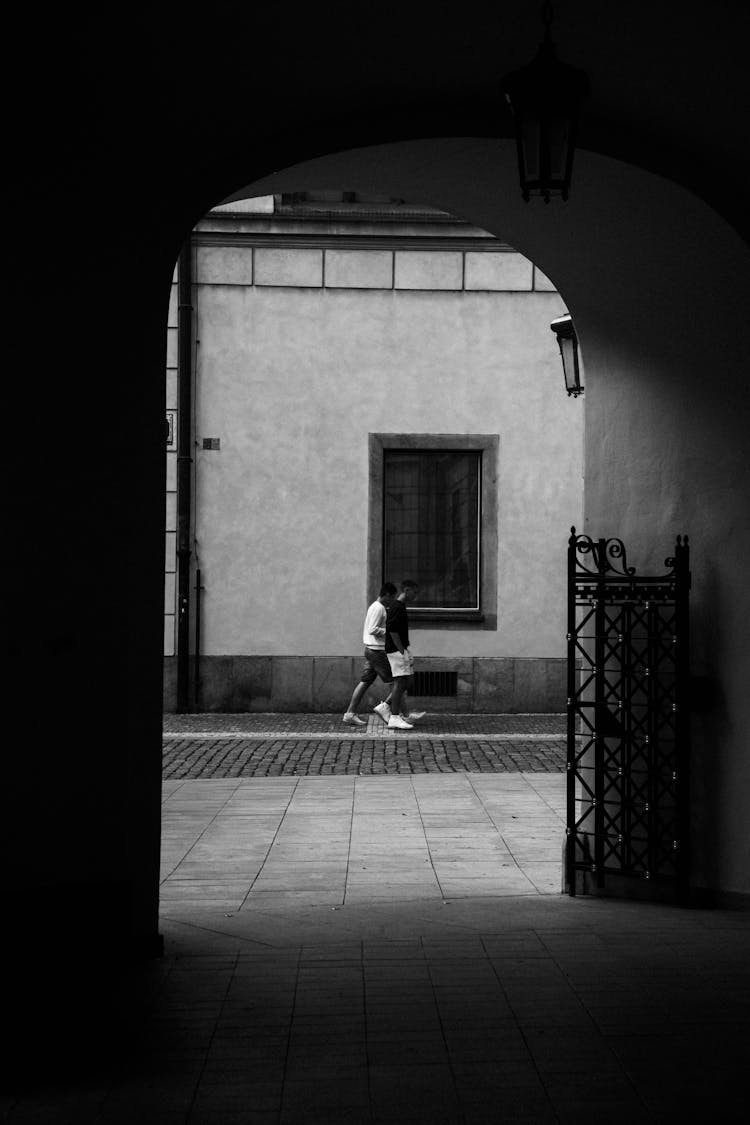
{"x":563,"y":328}
{"x":546,"y":96}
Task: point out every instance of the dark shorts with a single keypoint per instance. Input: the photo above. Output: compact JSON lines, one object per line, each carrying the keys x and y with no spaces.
{"x":376,"y":664}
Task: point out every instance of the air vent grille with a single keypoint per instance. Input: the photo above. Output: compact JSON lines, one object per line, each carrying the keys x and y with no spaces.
{"x":435,"y":683}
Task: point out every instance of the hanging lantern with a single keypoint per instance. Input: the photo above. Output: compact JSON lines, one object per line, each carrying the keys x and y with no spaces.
{"x":568,"y":342}
{"x":546,"y":97}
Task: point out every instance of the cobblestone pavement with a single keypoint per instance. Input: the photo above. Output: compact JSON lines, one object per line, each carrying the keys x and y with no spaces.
{"x":263,"y":745}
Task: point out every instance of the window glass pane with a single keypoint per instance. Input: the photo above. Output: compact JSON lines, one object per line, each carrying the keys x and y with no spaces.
{"x":431,"y":525}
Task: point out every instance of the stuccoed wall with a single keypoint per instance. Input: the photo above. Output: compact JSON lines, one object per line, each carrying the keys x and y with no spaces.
{"x":292,"y":376}
{"x":668,"y":418}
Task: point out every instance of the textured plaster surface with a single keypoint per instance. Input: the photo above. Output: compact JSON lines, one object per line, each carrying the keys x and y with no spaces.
{"x":293,"y":381}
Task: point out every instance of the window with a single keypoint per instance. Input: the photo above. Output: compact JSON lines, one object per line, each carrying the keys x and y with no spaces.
{"x":431,"y":524}
{"x":433,"y":518}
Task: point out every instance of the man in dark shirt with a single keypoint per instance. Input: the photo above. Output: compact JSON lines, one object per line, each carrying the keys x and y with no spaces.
{"x":397,"y":651}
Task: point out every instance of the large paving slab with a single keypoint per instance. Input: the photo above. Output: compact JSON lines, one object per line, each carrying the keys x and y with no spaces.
{"x":235,"y":847}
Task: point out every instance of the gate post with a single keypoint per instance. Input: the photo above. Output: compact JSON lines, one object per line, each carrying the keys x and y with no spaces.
{"x":599,"y":693}
{"x":682,"y":722}
{"x":570,"y":831}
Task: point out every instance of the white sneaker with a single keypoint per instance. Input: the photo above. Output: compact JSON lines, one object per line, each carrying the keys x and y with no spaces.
{"x":383,"y":710}
{"x":397,"y":723}
{"x":353,"y":720}
{"x":414,"y":716}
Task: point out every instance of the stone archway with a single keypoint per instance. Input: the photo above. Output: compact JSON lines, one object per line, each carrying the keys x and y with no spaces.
{"x":658,"y":284}
{"x":663,"y":451}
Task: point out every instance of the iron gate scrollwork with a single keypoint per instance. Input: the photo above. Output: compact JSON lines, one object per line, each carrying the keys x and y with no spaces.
{"x":627,"y":733}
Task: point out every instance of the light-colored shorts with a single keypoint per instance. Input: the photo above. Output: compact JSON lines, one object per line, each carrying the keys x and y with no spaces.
{"x":402,"y":664}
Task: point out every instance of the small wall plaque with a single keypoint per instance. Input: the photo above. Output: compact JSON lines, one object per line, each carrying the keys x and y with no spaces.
{"x":171,"y":430}
{"x":211,"y":443}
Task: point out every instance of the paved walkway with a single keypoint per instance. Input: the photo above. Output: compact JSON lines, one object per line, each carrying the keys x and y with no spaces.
{"x":272,"y":745}
{"x":394,"y":950}
{"x":271,"y":843}
{"x":476,"y":1011}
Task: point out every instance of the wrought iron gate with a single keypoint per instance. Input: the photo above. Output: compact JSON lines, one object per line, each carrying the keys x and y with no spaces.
{"x":627,"y":781}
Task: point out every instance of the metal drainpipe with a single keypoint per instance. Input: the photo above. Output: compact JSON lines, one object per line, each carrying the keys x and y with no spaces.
{"x":198,"y":684}
{"x":184,"y":468}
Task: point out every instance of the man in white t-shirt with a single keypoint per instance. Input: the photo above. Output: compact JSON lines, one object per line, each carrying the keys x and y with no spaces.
{"x":376,"y":662}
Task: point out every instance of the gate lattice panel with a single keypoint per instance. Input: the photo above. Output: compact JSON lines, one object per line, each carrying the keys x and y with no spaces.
{"x":627,"y":782}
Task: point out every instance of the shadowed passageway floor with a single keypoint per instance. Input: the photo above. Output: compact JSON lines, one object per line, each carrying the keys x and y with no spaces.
{"x":394,"y":950}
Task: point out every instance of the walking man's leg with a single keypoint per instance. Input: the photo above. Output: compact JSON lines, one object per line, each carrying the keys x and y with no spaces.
{"x":380,"y":663}
{"x":376,"y":665}
{"x":367,"y":678}
{"x":396,"y":722}
{"x":406,"y":712}
{"x":350,"y":715}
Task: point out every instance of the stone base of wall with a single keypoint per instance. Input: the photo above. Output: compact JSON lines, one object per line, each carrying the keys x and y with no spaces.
{"x":237,"y":684}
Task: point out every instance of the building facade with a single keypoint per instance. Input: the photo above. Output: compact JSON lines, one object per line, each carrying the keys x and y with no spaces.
{"x":376,"y":394}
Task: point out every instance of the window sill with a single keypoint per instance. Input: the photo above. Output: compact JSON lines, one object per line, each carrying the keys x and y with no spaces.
{"x":445,"y":616}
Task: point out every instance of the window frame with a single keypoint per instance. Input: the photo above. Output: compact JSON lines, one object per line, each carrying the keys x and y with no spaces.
{"x":485,"y":617}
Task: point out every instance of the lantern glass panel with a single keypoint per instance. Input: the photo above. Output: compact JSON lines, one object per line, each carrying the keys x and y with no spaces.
{"x":531,"y":147}
{"x":570,"y":362}
{"x":558,"y":136}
